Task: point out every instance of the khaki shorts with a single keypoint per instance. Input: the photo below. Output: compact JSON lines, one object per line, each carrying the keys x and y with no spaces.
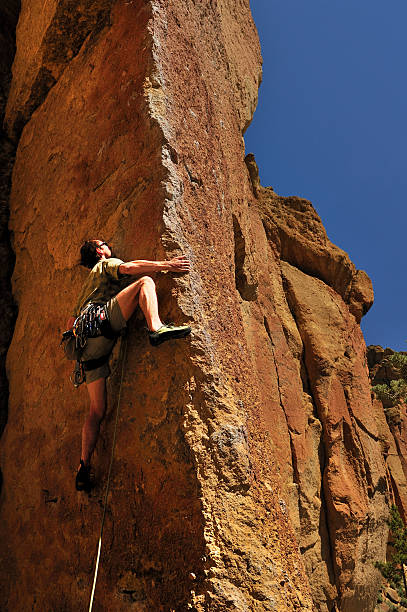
{"x":97,"y":347}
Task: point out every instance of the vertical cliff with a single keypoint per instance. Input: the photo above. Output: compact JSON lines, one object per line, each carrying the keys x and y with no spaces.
{"x":239,"y":449}
{"x":327,"y":440}
{"x":8,"y":20}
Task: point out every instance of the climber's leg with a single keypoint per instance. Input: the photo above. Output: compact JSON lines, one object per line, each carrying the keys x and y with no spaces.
{"x":97,"y":409}
{"x":90,"y":431}
{"x":142,"y":292}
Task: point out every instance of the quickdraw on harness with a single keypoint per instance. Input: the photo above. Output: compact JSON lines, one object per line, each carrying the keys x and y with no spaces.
{"x":78,"y":375}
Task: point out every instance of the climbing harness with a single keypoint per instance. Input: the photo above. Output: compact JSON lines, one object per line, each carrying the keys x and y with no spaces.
{"x":78,"y":376}
{"x":123,"y":350}
{"x":92,"y":322}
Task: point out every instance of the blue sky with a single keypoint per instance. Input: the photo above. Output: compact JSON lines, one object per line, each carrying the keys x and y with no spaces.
{"x":331,"y":127}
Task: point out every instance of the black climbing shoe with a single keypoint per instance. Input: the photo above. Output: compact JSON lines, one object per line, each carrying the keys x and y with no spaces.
{"x":83,"y":481}
{"x":168,"y":332}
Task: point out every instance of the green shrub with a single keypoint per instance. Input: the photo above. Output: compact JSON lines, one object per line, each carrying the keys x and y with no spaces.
{"x":399,"y":362}
{"x":391,"y":394}
{"x":396,"y":390}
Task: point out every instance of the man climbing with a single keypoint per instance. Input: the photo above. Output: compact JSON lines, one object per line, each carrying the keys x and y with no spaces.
{"x":109,"y":283}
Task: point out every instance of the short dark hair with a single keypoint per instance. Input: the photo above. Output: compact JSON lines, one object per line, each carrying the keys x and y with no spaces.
{"x":89,"y":255}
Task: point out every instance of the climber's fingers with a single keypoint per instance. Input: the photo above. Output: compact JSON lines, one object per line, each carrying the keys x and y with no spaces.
{"x":179,"y":264}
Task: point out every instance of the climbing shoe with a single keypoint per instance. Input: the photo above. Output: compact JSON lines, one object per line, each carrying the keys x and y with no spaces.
{"x":83,"y":480}
{"x":168,"y":332}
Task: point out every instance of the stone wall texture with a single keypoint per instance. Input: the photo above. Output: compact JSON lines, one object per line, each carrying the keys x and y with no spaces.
{"x":8,"y":20}
{"x":249,"y":472}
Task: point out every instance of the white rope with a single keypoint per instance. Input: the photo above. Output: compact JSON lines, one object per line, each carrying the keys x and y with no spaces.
{"x":123,"y":351}
{"x":96,"y":574}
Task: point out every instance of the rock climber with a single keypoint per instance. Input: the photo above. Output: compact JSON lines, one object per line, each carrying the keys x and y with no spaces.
{"x":110,"y":283}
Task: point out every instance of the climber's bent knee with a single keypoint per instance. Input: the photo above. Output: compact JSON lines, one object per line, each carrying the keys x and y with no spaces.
{"x":128,"y":298}
{"x":146,"y":280}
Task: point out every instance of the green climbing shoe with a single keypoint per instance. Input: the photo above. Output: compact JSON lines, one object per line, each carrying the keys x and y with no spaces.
{"x":168,"y":332}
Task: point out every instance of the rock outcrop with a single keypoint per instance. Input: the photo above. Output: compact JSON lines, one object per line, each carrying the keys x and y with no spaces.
{"x":237,"y":450}
{"x":326,"y":440}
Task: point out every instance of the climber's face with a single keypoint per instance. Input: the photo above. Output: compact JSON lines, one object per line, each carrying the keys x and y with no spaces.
{"x":103,"y":249}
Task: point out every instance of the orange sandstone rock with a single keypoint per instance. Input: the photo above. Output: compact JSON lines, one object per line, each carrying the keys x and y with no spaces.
{"x":53,"y":33}
{"x":353,"y":474}
{"x":300,"y":237}
{"x":334,"y":468}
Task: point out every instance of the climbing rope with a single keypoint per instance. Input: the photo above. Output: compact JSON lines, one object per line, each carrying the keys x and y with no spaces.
{"x":123,"y":349}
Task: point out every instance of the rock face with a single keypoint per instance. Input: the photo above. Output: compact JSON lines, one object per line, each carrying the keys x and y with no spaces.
{"x":326,"y":439}
{"x":53,"y":34}
{"x":237,"y":449}
{"x":8,"y":20}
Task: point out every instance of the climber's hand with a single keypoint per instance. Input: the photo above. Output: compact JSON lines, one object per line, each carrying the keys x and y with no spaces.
{"x":178,"y":264}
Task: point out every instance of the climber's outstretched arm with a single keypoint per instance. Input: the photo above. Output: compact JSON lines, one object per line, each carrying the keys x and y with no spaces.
{"x":143,"y":266}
